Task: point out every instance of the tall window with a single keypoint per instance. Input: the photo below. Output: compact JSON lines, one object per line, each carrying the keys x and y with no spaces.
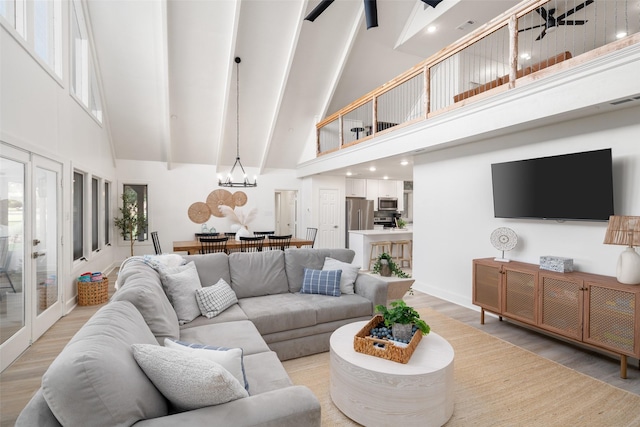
{"x":84,"y":84}
{"x":78,"y":215}
{"x":141,"y":198}
{"x":39,"y":24}
{"x":107,"y":213}
{"x":95,"y":215}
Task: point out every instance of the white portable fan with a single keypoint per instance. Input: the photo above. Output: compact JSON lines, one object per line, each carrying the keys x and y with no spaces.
{"x":504,"y":239}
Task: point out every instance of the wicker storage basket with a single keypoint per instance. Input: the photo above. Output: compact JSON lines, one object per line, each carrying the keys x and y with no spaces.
{"x":364,"y":343}
{"x":92,"y":293}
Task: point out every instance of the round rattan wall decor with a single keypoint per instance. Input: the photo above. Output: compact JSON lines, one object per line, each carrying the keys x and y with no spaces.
{"x":217,"y":198}
{"x":239,"y":198}
{"x":199,"y":212}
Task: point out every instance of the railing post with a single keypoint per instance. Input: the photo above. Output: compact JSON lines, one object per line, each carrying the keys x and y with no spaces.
{"x":374,"y":126}
{"x":427,"y":89}
{"x":317,"y":141}
{"x":513,"y":50}
{"x":341,"y":130}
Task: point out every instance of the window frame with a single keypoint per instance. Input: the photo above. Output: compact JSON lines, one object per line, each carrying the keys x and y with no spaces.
{"x":146,"y":238}
{"x":78,"y":219}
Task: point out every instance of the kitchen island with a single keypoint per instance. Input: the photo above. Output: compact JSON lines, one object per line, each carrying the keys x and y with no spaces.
{"x":360,"y":242}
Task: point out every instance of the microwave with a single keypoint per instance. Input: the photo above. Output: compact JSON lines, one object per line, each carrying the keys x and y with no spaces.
{"x":387,"y":203}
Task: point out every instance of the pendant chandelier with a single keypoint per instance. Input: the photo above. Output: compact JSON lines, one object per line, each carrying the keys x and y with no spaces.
{"x":229,"y":182}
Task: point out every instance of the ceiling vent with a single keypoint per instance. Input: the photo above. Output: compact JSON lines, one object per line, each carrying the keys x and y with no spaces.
{"x":465,"y":25}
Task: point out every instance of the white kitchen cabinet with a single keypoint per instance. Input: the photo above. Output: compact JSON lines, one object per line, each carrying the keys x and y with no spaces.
{"x":372,"y":192}
{"x":355,"y":187}
{"x":387,"y":188}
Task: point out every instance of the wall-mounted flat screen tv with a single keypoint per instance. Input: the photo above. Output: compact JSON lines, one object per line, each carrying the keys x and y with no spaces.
{"x":577,"y":186}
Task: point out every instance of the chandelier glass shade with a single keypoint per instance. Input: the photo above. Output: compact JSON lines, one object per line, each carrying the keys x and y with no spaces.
{"x":228,"y":181}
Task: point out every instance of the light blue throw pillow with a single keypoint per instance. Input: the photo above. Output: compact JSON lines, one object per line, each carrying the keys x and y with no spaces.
{"x":321,"y":282}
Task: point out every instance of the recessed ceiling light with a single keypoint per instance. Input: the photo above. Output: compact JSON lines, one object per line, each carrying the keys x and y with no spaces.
{"x":404,"y":163}
{"x":385,"y":177}
{"x":372,"y":169}
{"x":349,"y":173}
{"x":621,"y":34}
{"x":525,"y":56}
{"x":432,"y":29}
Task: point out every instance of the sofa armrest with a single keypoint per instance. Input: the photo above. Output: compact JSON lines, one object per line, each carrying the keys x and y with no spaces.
{"x":371,"y":287}
{"x":287,"y":407}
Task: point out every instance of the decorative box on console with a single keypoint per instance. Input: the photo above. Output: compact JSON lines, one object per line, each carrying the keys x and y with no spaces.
{"x":556,"y":263}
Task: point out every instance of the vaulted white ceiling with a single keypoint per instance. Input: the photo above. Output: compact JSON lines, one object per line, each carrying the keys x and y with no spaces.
{"x":169,"y":78}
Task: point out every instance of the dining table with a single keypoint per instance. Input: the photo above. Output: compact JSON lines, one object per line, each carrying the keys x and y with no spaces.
{"x":192,"y":247}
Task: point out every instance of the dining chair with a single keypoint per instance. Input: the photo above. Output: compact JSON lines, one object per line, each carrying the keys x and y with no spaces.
{"x":251,"y":244}
{"x":156,"y":242}
{"x":279,"y":242}
{"x":311,"y":235}
{"x":5,"y":260}
{"x":263,"y":233}
{"x":230,"y":233}
{"x":209,"y":245}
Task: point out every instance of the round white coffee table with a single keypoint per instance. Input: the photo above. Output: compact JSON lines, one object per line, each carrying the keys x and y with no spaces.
{"x":375,"y":391}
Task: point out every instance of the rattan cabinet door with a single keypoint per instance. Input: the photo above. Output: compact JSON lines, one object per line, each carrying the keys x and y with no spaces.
{"x":611,"y":320}
{"x":519,"y":300}
{"x":561,"y":305}
{"x":486,"y":286}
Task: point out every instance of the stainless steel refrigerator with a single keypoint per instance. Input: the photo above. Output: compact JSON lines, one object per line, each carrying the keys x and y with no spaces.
{"x":359,"y":216}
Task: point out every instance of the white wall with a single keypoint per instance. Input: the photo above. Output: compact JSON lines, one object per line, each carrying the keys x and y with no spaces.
{"x":39,"y":115}
{"x":453,"y":211}
{"x":172,"y":191}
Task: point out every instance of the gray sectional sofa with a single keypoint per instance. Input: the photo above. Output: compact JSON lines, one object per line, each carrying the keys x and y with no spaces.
{"x":97,"y":381}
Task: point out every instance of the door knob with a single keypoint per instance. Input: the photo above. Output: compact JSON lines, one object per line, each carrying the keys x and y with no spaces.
{"x":36,"y":242}
{"x":38,"y":254}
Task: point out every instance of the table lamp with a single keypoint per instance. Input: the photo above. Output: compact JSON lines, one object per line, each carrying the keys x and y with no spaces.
{"x":625,"y":230}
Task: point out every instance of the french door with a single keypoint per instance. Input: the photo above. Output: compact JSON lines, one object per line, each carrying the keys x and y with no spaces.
{"x":30,"y":295}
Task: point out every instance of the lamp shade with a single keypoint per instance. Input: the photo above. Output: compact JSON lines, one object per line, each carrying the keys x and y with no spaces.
{"x":623,"y":230}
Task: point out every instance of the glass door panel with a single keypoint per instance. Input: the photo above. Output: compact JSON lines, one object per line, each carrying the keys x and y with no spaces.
{"x":15,"y":331}
{"x":44,"y":244}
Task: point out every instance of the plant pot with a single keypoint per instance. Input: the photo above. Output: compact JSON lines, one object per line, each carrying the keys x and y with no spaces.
{"x":385,"y":270}
{"x":402,"y":331}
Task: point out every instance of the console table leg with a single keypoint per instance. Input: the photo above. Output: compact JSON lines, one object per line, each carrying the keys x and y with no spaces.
{"x":623,"y":366}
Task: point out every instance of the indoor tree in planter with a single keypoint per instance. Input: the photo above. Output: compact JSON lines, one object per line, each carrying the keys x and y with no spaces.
{"x":401,"y":318}
{"x":133,"y":222}
{"x":384,"y":260}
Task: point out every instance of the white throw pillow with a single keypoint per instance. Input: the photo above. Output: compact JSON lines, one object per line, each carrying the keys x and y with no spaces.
{"x":213,"y":300}
{"x":349,"y":274}
{"x":180,"y":285}
{"x":230,"y":358}
{"x":187,"y":381}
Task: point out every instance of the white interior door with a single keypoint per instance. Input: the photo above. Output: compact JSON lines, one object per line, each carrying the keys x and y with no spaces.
{"x":328,"y":221}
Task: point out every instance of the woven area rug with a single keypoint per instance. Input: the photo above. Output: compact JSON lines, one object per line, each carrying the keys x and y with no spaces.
{"x":498,"y":384}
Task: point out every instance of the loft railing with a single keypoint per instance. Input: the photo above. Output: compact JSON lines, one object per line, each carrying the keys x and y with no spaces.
{"x":528,"y":42}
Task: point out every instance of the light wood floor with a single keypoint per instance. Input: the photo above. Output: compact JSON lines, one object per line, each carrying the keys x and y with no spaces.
{"x":21,"y":380}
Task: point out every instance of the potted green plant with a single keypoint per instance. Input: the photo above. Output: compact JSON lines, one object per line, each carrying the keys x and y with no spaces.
{"x":401,"y":318}
{"x":132,"y":223}
{"x":385,"y":266}
{"x":401,"y":223}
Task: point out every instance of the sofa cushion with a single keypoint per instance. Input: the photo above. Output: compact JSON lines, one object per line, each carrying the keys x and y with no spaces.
{"x":144,"y":290}
{"x":187,"y":381}
{"x":231,"y":314}
{"x":296,"y":260}
{"x":265,"y":373}
{"x":230,"y":358}
{"x":215,"y":299}
{"x":282,"y":312}
{"x":95,"y":379}
{"x":180,"y":284}
{"x":240,"y":333}
{"x":321,"y":282}
{"x":211,"y":267}
{"x":349,"y":274}
{"x":345,"y":307}
{"x":257,"y":273}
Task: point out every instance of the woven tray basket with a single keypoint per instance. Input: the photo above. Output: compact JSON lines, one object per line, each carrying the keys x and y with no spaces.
{"x":364,"y":343}
{"x":92,"y":293}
